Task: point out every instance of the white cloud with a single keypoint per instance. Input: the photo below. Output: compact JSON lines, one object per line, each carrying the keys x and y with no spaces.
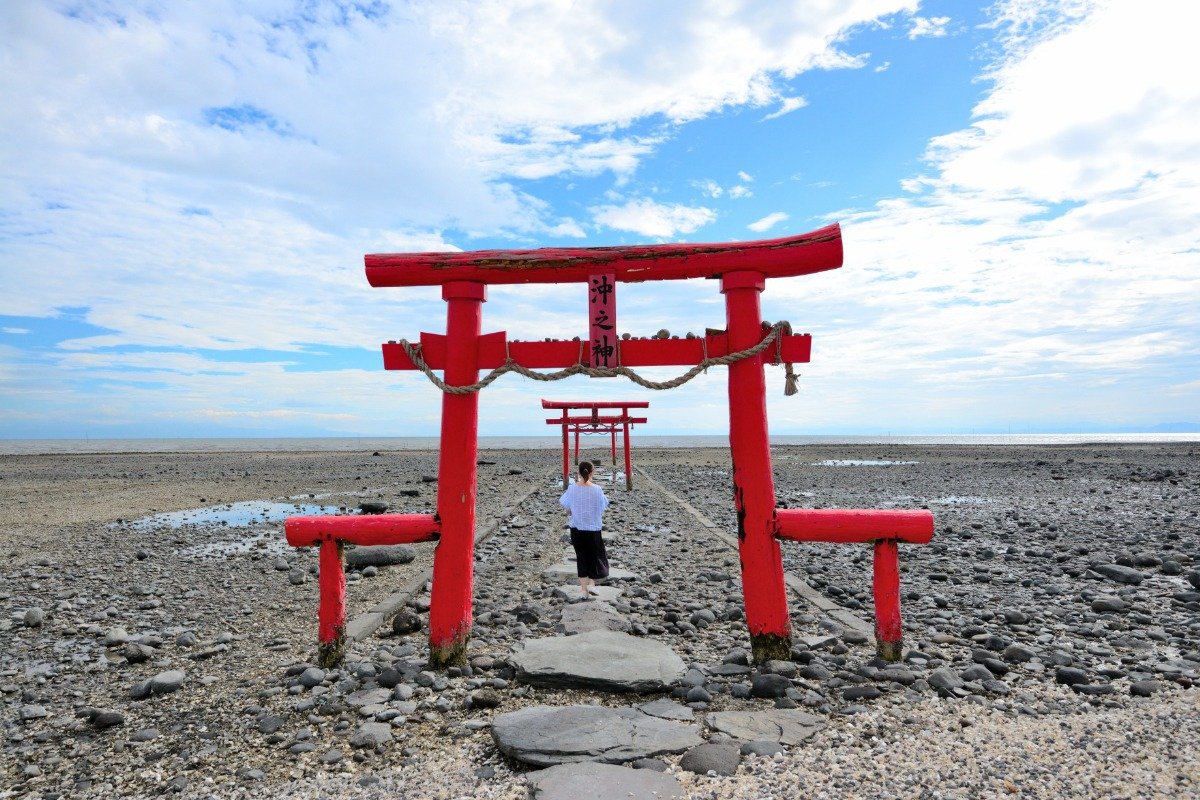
{"x":768,"y":222}
{"x":220,"y":164}
{"x":711,"y":188}
{"x":16,"y":331}
{"x":928,"y":26}
{"x":883,"y":67}
{"x":650,"y":218}
{"x":787,"y":105}
{"x":745,"y":177}
{"x":1048,"y":251}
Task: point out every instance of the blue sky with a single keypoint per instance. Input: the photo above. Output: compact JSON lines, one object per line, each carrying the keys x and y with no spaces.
{"x":187,"y":191}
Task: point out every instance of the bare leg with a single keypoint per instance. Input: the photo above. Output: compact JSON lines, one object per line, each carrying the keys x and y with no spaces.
{"x":583,"y":586}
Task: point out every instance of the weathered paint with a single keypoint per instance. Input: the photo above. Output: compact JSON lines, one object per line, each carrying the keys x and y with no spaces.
{"x":566,"y":456}
{"x":628,"y":456}
{"x":462,"y":351}
{"x":886,"y":528}
{"x":889,"y":636}
{"x":495,"y":349}
{"x":595,"y":405}
{"x":450,"y":600}
{"x":815,"y":251}
{"x":331,"y":611}
{"x":362,"y":530}
{"x":763,"y":589}
{"x":850,"y":525}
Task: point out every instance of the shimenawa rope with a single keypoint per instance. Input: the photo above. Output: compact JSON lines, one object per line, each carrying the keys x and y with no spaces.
{"x":776,"y":334}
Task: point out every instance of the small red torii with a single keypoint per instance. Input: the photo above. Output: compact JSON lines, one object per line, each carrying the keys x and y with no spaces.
{"x":463,"y":350}
{"x":596,"y":423}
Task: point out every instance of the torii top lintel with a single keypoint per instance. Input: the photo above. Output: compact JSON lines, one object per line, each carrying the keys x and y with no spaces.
{"x":593,"y":404}
{"x":807,"y":253}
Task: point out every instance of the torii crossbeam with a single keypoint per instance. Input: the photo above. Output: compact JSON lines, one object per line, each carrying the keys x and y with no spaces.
{"x":743,"y":269}
{"x":595,"y":422}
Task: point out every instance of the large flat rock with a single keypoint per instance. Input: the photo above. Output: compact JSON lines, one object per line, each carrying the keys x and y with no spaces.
{"x":784,"y":725}
{"x":604,"y":660}
{"x":591,"y":781}
{"x":547,"y":735}
{"x":567,"y":570}
{"x":570,"y":592}
{"x":592,"y":616}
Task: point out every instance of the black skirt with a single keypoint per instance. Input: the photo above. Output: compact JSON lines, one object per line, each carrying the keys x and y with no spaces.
{"x":591,"y":561}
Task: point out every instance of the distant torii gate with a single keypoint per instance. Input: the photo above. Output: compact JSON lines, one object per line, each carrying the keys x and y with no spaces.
{"x":744,"y":346}
{"x":596,"y":423}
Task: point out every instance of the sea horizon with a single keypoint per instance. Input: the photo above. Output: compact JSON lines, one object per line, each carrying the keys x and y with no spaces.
{"x":657,"y":441}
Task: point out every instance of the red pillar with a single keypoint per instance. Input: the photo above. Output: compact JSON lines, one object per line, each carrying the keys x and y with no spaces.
{"x":331,"y":613}
{"x":628,"y":459}
{"x":612,"y":435}
{"x":566,"y":457}
{"x":889,"y":637}
{"x":576,"y":445}
{"x":763,"y":588}
{"x":450,"y":601}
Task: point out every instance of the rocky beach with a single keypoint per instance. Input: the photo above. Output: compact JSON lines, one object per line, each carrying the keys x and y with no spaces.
{"x":160,"y":636}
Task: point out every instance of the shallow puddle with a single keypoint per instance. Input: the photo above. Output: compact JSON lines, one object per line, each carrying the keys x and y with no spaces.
{"x":233,"y":515}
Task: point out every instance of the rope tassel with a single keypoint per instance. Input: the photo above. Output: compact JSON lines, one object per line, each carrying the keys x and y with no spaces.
{"x":791,"y":381}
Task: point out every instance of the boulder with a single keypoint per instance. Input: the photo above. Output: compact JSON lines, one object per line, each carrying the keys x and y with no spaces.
{"x":379,"y":555}
{"x":722,"y":759}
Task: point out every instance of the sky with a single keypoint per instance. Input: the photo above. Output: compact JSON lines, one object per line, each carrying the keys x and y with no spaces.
{"x":187,"y":191}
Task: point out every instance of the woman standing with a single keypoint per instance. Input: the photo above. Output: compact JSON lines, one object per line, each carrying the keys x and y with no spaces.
{"x":586,"y":503}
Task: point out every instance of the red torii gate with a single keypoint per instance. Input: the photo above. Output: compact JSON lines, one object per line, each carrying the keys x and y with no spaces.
{"x":596,"y":423}
{"x":742,"y":268}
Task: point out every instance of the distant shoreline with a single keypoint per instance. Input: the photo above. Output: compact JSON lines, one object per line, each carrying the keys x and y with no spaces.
{"x":403,"y":443}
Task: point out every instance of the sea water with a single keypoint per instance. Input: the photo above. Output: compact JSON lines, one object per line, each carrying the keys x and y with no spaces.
{"x":655,"y":441}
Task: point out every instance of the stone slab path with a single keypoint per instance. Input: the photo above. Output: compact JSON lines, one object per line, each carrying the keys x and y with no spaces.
{"x":785,"y":726}
{"x":600,"y":659}
{"x":591,"y":781}
{"x":546,"y":735}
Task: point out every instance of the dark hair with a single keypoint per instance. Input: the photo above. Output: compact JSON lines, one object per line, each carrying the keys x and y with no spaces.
{"x":585,"y":469}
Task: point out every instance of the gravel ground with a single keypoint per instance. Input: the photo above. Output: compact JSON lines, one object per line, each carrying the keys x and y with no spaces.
{"x":1045,"y":559}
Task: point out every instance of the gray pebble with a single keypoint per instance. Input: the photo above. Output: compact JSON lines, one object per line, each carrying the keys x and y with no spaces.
{"x":769,"y":685}
{"x":313,"y":676}
{"x":723,"y":759}
{"x":167,"y":682}
{"x":1018,"y":654}
{"x":108,"y":719}
{"x":761,"y":748}
{"x":371,"y":734}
